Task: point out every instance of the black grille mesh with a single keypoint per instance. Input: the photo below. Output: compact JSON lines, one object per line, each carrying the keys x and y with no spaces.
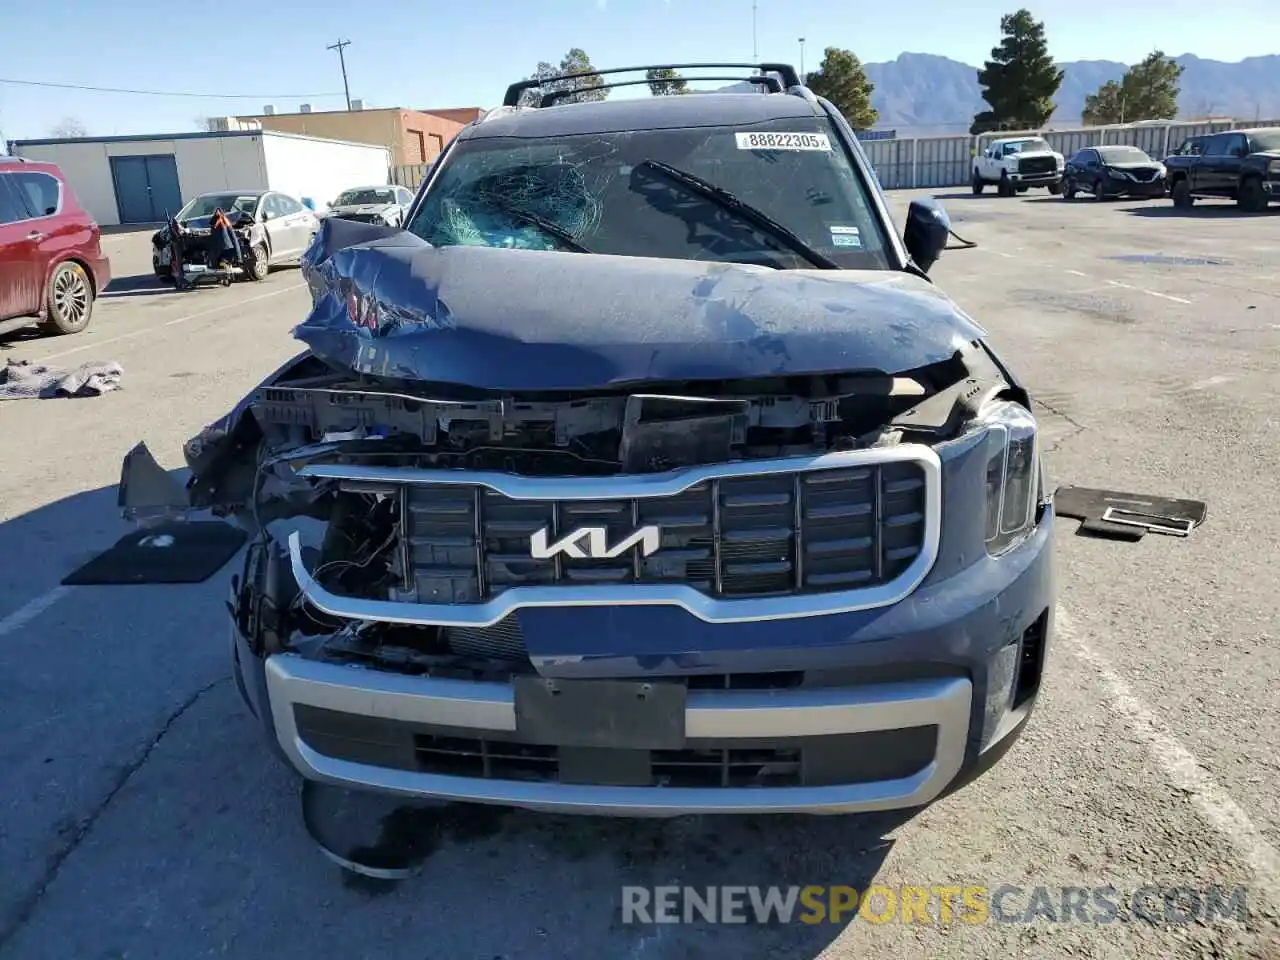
{"x":814,"y":532}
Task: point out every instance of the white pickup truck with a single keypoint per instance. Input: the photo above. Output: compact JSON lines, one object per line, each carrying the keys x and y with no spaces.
{"x":1017,"y":164}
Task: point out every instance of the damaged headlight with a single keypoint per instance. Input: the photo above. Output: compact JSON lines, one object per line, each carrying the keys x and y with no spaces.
{"x":1013,"y":475}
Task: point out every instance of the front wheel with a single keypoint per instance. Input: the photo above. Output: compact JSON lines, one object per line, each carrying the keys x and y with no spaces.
{"x":69,"y":300}
{"x":1006,"y":186}
{"x":1181,"y":193}
{"x":1099,"y":191}
{"x":257,"y":263}
{"x":1055,"y":188}
{"x":978,"y":184}
{"x":1069,"y":190}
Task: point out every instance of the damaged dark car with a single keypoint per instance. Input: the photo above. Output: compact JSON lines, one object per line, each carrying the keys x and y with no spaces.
{"x":644,"y":472}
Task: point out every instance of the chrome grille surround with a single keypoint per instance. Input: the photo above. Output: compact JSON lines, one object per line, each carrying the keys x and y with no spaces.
{"x":759,"y":594}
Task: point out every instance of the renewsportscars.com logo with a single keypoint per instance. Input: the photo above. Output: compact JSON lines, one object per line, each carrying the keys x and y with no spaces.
{"x":935,"y":904}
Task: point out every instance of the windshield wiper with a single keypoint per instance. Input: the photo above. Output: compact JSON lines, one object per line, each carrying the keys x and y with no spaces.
{"x":756,"y":217}
{"x":553,"y":230}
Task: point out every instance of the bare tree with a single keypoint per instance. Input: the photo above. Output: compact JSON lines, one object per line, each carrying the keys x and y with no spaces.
{"x":68,"y":127}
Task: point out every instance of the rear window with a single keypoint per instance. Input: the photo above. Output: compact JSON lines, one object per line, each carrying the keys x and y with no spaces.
{"x":1123,"y":155}
{"x":41,"y":193}
{"x":597,"y":189}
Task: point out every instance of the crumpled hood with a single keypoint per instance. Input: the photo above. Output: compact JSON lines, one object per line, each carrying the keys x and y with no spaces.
{"x":387,"y":304}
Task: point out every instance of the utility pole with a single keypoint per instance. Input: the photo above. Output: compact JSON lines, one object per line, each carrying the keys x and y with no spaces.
{"x":342,"y":60}
{"x":802,"y":59}
{"x":755,"y":41}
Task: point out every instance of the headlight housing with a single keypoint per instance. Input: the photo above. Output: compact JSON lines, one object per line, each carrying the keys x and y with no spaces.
{"x":1273,"y":166}
{"x":1013,"y":475}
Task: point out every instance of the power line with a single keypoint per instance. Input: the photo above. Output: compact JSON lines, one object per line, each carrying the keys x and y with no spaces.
{"x":166,"y":93}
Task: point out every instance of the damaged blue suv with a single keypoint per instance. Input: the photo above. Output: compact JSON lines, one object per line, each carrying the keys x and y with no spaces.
{"x":643,"y":472}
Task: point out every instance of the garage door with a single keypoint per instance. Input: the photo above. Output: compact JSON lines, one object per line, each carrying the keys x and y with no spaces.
{"x":146,"y":187}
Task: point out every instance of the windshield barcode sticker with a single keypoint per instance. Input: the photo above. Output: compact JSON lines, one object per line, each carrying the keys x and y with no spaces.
{"x":783,"y":141}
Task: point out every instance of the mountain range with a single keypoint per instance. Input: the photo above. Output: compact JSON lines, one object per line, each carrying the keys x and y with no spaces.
{"x":920,"y":94}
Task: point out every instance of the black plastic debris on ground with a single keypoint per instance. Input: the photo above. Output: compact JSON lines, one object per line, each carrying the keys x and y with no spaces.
{"x":380,"y":839}
{"x":169,"y":553}
{"x":1127,"y":516}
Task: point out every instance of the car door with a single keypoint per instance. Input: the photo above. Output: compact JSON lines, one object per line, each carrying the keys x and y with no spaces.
{"x":279,"y":234}
{"x":302,"y":223}
{"x":56,"y":232}
{"x":1088,"y":166}
{"x":1209,"y":175}
{"x":21,"y":276}
{"x":1233,"y":163}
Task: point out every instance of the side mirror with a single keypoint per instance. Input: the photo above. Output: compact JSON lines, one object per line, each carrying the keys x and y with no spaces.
{"x":928,"y":228}
{"x":267,"y":215}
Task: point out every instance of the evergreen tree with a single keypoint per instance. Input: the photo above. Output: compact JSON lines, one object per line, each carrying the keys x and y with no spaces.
{"x":842,"y":80}
{"x":1020,"y":80}
{"x":666,"y":82}
{"x":1147,"y":91}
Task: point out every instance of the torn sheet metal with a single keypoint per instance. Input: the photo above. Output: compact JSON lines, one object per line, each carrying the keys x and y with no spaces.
{"x":388,"y":304}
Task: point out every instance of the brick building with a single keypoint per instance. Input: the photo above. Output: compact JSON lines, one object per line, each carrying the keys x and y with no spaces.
{"x":413,"y":136}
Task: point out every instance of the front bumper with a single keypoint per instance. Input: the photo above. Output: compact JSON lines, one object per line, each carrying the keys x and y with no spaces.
{"x":1136,"y":188}
{"x":1036,"y":179}
{"x":915,"y":698}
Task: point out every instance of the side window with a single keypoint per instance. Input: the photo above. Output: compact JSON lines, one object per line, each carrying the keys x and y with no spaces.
{"x":42,"y":193}
{"x":1216,"y":146}
{"x":11,"y":206}
{"x":271,"y":205}
{"x":403,"y":196}
{"x":288,"y":205}
{"x":1237,"y":145}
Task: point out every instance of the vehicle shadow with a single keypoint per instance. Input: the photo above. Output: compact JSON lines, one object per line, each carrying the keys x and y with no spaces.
{"x":1199,"y":211}
{"x":138,"y":285}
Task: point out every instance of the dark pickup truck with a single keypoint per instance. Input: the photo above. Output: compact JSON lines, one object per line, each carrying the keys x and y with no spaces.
{"x":1240,"y":165}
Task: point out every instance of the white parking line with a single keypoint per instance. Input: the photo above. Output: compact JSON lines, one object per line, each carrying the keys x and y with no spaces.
{"x":168,"y":323}
{"x":1077,"y":273}
{"x":1165,"y":296}
{"x":1183,"y":770}
{"x":32,"y":609}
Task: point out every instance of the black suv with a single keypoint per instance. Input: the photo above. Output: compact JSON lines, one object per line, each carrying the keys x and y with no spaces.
{"x":1240,"y":165}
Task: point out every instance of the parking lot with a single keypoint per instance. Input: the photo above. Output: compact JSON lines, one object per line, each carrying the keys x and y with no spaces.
{"x":144,"y":817}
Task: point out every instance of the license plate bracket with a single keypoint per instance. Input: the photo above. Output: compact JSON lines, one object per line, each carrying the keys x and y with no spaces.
{"x":620,"y":714}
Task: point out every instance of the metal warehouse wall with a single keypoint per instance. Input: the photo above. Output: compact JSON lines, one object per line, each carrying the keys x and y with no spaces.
{"x":948,"y":161}
{"x":321,"y":169}
{"x":203,"y":163}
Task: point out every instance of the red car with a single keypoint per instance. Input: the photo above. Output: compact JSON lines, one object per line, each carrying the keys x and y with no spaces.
{"x":51,"y":262}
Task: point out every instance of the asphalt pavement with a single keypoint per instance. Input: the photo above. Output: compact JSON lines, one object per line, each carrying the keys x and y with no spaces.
{"x":142,"y":815}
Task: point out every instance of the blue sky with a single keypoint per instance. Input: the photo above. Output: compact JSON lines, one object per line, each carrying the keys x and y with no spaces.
{"x":438,"y":54}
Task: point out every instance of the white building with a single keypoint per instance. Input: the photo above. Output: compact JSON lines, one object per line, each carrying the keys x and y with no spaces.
{"x":142,"y":179}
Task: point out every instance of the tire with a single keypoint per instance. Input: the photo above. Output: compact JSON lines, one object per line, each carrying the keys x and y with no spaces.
{"x":1253,"y":199}
{"x":1099,"y":191}
{"x":68,"y":300}
{"x":1055,"y":188}
{"x":1181,"y":193}
{"x":1069,"y":190}
{"x":258,"y":263}
{"x":1022,"y":190}
{"x":1005,"y":189}
{"x":978,"y":184}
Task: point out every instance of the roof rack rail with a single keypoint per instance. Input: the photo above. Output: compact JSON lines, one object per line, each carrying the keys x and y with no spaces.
{"x":787,"y":73}
{"x":548,"y":99}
